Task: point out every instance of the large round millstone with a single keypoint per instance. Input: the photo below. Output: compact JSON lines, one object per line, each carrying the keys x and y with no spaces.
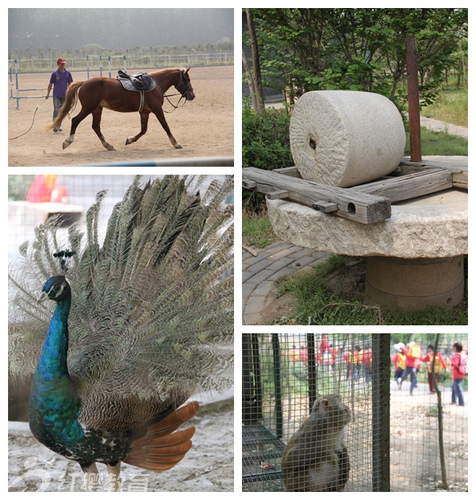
{"x":344,"y":138}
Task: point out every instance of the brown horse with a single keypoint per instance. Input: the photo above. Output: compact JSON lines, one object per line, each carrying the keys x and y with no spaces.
{"x":100,"y":92}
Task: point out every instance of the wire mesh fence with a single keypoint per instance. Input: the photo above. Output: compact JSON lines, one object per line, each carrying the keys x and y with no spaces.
{"x":33,"y":199}
{"x":285,"y":445}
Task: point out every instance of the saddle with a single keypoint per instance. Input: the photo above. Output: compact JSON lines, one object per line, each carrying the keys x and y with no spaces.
{"x":139,"y":82}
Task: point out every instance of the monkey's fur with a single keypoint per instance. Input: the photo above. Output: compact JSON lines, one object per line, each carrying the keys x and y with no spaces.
{"x":315,"y":458}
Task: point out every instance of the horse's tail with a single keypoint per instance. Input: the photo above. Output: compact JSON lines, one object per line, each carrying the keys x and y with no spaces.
{"x":69,"y":103}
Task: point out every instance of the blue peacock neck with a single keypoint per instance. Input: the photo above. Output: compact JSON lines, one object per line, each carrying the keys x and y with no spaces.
{"x":52,"y":363}
{"x":54,"y":404}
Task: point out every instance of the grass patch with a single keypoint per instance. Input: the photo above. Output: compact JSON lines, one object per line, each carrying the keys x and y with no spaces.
{"x":439,"y":144}
{"x":316,"y":304}
{"x":451,"y":106}
{"x":257,"y":230}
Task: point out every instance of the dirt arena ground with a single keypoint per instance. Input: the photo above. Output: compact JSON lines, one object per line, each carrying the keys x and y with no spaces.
{"x":204,"y":126}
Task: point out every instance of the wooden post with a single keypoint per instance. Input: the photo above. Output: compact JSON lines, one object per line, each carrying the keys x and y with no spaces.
{"x":381,"y":411}
{"x":311,"y":369}
{"x":413,"y":99}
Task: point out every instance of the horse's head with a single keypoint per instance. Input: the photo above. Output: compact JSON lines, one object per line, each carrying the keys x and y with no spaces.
{"x":184,"y":86}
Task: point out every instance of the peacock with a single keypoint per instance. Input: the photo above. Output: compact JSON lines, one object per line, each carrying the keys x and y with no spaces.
{"x":143,"y":316}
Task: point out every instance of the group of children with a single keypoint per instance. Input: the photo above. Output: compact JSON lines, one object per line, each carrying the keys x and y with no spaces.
{"x":408,"y":360}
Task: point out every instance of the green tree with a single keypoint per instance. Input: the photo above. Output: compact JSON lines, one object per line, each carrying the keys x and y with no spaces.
{"x":357,"y":49}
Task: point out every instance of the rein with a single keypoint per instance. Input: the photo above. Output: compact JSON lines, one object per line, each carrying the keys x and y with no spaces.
{"x":182,"y":94}
{"x":175,"y":106}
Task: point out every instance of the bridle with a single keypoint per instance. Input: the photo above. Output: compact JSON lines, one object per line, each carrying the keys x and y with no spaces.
{"x":185,"y":83}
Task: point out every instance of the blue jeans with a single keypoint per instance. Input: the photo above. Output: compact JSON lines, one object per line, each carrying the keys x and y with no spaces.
{"x":413,"y":379}
{"x":457,"y":391}
{"x":368,"y":373}
{"x":57,"y":103}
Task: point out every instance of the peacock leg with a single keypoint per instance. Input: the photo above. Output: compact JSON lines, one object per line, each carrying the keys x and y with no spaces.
{"x":114,"y":476}
{"x":91,"y":476}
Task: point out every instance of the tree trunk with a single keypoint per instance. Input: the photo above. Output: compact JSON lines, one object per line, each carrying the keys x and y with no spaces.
{"x":249,"y":77}
{"x":256,"y":71}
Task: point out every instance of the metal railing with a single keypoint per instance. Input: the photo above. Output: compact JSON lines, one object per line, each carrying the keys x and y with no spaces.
{"x":103,"y":63}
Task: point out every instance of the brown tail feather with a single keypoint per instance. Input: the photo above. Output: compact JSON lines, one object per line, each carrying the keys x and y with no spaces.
{"x":162,"y":448}
{"x":174,"y":420}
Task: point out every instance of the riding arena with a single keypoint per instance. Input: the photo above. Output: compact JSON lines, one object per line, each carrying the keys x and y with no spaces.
{"x":203,"y":126}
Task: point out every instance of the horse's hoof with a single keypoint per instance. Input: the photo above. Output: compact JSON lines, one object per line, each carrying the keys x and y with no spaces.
{"x":178,"y":146}
{"x":128,"y":141}
{"x":110,"y":148}
{"x":66,"y":144}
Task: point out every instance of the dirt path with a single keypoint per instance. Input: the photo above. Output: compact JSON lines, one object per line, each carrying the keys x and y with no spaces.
{"x":204,"y":127}
{"x":415,"y":464}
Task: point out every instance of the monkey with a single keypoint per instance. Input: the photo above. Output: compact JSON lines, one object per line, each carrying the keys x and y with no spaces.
{"x":315,"y":458}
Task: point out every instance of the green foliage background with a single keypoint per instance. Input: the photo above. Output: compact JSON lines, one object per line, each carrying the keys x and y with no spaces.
{"x":359,"y":49}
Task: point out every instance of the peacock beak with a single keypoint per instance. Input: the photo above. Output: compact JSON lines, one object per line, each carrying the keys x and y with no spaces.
{"x":43,"y":296}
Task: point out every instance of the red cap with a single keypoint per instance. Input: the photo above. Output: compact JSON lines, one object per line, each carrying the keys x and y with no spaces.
{"x":61,"y":60}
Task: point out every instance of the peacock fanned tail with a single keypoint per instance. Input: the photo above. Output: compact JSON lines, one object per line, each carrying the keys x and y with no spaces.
{"x":152,"y":301}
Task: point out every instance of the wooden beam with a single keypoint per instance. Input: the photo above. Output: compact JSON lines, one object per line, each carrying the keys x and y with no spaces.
{"x":269,"y":191}
{"x":406,"y":187}
{"x":440,"y":176}
{"x":277,"y":194}
{"x":326,"y":206}
{"x":460,"y":172}
{"x":353,"y":205}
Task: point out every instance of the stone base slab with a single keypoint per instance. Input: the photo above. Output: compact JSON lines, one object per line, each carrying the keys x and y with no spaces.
{"x":434,"y":226}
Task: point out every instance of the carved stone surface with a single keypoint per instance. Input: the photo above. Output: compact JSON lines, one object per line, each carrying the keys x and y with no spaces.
{"x":344,"y":138}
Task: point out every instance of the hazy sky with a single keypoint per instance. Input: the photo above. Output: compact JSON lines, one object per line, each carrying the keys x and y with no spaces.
{"x":64,"y":29}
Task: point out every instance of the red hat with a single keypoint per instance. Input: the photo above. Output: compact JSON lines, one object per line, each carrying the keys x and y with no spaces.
{"x":61,"y":60}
